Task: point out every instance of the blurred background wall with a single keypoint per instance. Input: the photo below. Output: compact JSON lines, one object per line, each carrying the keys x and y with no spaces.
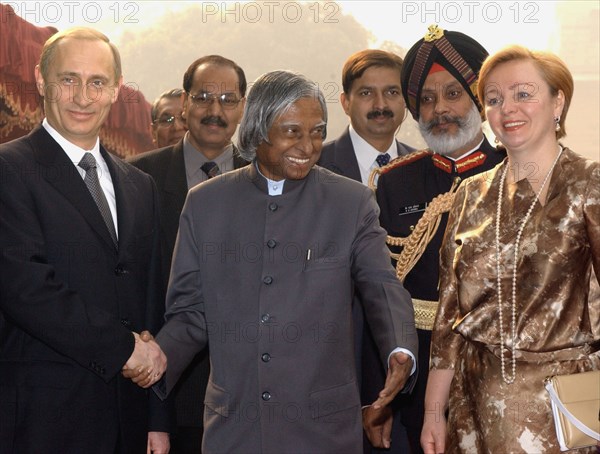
{"x":158,"y":40}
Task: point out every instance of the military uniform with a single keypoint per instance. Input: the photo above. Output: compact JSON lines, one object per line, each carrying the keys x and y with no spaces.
{"x":405,"y":189}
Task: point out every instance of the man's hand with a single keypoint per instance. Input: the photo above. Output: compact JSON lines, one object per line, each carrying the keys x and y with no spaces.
{"x":397,"y":375}
{"x":378,"y":425}
{"x":158,"y":442}
{"x":146,"y":336}
{"x":147,"y":362}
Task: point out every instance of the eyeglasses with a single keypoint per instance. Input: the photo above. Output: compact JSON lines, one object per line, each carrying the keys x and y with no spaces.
{"x":168,"y":121}
{"x":226,"y":100}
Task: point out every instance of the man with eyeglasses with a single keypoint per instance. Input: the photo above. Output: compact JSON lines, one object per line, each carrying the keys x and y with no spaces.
{"x":168,"y":125}
{"x":213,"y":102}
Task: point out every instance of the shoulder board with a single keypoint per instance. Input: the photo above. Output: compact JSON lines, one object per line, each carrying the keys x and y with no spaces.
{"x":404,"y":160}
{"x":399,"y":161}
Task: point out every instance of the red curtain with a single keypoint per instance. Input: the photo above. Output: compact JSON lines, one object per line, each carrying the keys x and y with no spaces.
{"x":126,"y":131}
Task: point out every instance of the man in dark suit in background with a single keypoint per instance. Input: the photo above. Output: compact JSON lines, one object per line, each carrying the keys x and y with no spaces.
{"x":168,"y":126}
{"x":213,"y":103}
{"x":372,"y":98}
{"x":79,"y":264}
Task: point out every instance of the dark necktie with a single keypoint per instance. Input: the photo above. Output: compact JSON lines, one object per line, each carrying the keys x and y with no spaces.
{"x":210,"y":168}
{"x":88,"y":163}
{"x":383,"y":159}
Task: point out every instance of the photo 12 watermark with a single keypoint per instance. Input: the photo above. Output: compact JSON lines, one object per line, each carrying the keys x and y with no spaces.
{"x":76,"y":12}
{"x":470,"y":11}
{"x":253,"y":12}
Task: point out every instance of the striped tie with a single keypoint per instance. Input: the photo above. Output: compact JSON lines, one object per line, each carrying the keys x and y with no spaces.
{"x":88,"y":163}
{"x":210,"y":168}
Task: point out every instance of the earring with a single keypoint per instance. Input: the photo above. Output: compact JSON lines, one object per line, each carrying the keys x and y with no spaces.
{"x":557,"y":121}
{"x":499,"y":145}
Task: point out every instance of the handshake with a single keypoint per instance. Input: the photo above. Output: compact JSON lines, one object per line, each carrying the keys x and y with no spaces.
{"x":147,"y":363}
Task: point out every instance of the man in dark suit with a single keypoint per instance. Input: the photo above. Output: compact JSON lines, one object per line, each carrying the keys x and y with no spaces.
{"x":79,"y":268}
{"x":213,"y":102}
{"x":168,"y":126}
{"x":438,"y":77}
{"x":372,"y":98}
{"x":266,"y":281}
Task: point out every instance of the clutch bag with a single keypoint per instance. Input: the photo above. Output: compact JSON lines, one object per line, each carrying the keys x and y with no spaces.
{"x":575,"y":400}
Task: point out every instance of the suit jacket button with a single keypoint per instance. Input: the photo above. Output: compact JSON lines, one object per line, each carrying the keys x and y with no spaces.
{"x":265,"y":357}
{"x":268,"y":280}
{"x":266,"y":395}
{"x":271,"y":243}
{"x":264,"y":318}
{"x":119,"y":270}
{"x":273,"y":206}
{"x":126,"y":322}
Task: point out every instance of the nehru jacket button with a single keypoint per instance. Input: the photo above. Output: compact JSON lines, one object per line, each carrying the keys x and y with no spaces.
{"x":126,"y":322}
{"x":273,"y":206}
{"x":266,"y":395}
{"x":268,"y":280}
{"x":271,"y":243}
{"x":265,"y":357}
{"x":265,"y":318}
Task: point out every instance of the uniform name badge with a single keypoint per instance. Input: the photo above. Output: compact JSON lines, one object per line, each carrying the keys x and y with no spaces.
{"x":410,"y":209}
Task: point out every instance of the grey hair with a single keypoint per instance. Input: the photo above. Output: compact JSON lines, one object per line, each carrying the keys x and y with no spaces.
{"x":173,"y":93}
{"x":270,"y":96}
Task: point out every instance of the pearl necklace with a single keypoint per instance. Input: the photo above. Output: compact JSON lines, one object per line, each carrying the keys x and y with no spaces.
{"x":503,"y":347}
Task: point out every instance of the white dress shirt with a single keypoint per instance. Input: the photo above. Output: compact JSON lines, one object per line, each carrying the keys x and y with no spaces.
{"x":75,"y":154}
{"x":366,"y":154}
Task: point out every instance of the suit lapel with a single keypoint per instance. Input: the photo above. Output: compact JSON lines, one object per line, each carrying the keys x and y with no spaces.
{"x":175,"y":186}
{"x":176,"y":180}
{"x":345,"y":157}
{"x":125,"y":195}
{"x":58,"y":170}
{"x":403,"y":149}
{"x":238,"y":161}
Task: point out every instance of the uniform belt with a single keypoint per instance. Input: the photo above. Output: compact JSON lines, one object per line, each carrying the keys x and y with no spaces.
{"x":425,"y":313}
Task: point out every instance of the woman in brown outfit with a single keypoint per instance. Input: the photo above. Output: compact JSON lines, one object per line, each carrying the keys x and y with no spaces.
{"x":520,"y":266}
